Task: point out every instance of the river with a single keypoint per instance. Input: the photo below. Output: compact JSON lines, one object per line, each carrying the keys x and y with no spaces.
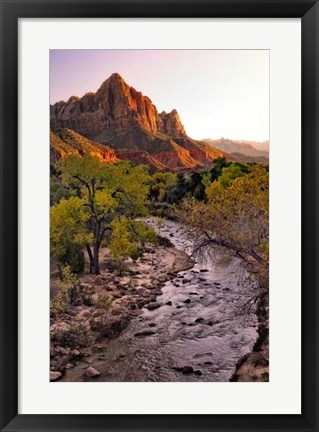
{"x":202,"y":326}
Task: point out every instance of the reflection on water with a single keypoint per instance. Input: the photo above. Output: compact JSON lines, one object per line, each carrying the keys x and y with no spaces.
{"x":202,"y":326}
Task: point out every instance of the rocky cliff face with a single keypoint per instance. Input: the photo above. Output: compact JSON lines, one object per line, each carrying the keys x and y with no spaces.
{"x":116,"y":107}
{"x":127,"y":121}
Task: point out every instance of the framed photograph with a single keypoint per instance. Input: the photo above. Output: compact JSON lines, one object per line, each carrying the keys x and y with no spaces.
{"x":159,"y":204}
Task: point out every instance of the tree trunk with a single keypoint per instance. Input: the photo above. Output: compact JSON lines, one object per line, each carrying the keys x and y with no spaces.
{"x":91,"y":258}
{"x":96,"y":249}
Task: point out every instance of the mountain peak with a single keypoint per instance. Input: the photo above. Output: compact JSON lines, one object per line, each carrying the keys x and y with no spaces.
{"x":116,"y":76}
{"x":124,"y":119}
{"x":115,"y":108}
{"x":113,"y":81}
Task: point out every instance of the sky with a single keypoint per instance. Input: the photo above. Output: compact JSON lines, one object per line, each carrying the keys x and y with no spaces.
{"x":217,"y":93}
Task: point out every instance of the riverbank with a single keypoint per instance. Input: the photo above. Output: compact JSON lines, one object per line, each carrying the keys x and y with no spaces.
{"x":254,"y":366}
{"x":164,"y":319}
{"x":110,"y":301}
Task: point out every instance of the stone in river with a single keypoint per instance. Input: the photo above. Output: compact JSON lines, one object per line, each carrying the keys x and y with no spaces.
{"x":203,"y":270}
{"x":187,"y":370}
{"x":198,"y":372}
{"x":192,"y":293}
{"x":187,"y":300}
{"x":152,"y":325}
{"x":144,"y":333}
{"x":153,"y":305}
{"x":198,"y":320}
{"x":209,"y":323}
{"x":92,"y":372}
{"x":169,"y":303}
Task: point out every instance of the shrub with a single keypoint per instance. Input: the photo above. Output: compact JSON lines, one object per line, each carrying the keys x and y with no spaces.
{"x":75,"y":336}
{"x":75,"y":258}
{"x":70,"y":292}
{"x":103,"y":301}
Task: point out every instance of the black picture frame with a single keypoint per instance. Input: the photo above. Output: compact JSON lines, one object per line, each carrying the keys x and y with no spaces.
{"x":11,"y":11}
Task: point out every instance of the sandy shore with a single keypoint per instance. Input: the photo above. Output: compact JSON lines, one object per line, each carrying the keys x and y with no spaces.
{"x":111,"y":301}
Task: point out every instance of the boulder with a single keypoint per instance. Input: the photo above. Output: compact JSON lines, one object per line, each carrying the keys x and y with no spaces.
{"x":55,"y":375}
{"x":153,"y":305}
{"x":91,"y":372}
{"x":187,"y":370}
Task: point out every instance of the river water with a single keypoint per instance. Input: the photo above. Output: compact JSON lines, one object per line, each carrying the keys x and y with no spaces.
{"x":204,"y":327}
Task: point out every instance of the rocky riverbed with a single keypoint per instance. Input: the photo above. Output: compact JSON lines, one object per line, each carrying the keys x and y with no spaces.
{"x":109,"y":301}
{"x":194,"y":328}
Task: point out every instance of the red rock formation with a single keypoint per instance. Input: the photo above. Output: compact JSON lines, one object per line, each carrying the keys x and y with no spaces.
{"x":141,"y":157}
{"x":171,"y":124}
{"x":114,"y":106}
{"x":124,"y":119}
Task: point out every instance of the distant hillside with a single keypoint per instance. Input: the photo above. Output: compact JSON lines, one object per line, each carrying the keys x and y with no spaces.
{"x":239,"y":157}
{"x":263,"y":146}
{"x":247,"y":148}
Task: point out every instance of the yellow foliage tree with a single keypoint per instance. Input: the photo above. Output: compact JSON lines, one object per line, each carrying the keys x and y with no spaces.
{"x":105,"y":193}
{"x":235,"y":217}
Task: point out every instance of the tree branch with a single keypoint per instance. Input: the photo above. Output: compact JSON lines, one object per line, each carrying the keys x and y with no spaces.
{"x":229,"y":245}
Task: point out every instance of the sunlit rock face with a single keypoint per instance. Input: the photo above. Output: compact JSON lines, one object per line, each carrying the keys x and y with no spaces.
{"x":115,"y":106}
{"x":124,"y":119}
{"x":66,"y":141}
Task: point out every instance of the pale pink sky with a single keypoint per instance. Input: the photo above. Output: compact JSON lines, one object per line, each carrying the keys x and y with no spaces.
{"x":217,"y":93}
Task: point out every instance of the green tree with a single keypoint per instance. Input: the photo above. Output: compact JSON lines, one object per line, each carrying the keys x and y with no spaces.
{"x":127,"y":236}
{"x":106,"y":193}
{"x":218,"y":165}
{"x":160,"y":185}
{"x":229,"y":174}
{"x":68,"y":232}
{"x":58,"y":190}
